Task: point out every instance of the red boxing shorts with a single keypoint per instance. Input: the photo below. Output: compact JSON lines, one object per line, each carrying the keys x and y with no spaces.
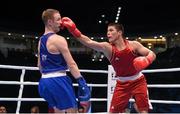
{"x":128,"y":89}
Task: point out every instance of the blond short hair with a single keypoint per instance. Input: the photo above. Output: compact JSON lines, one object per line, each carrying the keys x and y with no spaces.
{"x":48,"y":14}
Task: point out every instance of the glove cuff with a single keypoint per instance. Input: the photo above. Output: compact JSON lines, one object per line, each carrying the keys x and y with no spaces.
{"x":76,"y":33}
{"x":81,"y":81}
{"x":150,"y":58}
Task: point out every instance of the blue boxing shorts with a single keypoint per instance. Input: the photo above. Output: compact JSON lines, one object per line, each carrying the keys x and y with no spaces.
{"x":58,"y":92}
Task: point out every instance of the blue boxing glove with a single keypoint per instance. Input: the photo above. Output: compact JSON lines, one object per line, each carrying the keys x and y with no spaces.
{"x":83,"y":90}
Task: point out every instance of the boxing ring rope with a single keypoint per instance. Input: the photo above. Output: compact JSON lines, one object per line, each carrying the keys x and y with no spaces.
{"x":109,"y":72}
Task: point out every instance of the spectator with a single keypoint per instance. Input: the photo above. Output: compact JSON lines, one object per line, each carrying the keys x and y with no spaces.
{"x":34,"y":109}
{"x":3,"y":109}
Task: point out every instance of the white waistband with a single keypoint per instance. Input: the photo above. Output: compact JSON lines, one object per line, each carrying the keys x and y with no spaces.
{"x":53,"y":74}
{"x":129,"y":78}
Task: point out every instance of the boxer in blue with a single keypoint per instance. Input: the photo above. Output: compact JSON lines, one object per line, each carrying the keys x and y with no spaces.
{"x":54,"y":58}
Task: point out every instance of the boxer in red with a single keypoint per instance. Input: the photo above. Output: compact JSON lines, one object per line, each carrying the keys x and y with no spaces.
{"x":128,"y":59}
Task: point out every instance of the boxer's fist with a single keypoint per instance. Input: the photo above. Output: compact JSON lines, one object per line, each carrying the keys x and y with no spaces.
{"x":140,"y":63}
{"x":70,"y":25}
{"x":83,"y":90}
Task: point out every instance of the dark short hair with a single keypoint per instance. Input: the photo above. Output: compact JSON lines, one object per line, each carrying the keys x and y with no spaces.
{"x":118,"y":26}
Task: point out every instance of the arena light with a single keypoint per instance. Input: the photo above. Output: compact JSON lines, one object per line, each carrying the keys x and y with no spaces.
{"x":100,"y":21}
{"x":155,"y":37}
{"x":100,"y":59}
{"x":118,"y":14}
{"x":23,"y":35}
{"x":176,"y":33}
{"x":103,"y":15}
{"x":93,"y":59}
{"x":36,"y":55}
{"x":102,"y":56}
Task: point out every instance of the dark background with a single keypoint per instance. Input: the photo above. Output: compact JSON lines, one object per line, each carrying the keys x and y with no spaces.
{"x":138,"y":16}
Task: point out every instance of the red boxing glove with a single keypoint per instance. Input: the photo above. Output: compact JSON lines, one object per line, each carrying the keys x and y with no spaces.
{"x":141,"y":63}
{"x":51,"y":110}
{"x":86,"y":106}
{"x":70,"y":25}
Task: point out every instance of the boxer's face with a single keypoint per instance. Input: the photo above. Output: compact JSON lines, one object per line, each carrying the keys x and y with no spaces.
{"x":56,"y":22}
{"x":112,"y":34}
